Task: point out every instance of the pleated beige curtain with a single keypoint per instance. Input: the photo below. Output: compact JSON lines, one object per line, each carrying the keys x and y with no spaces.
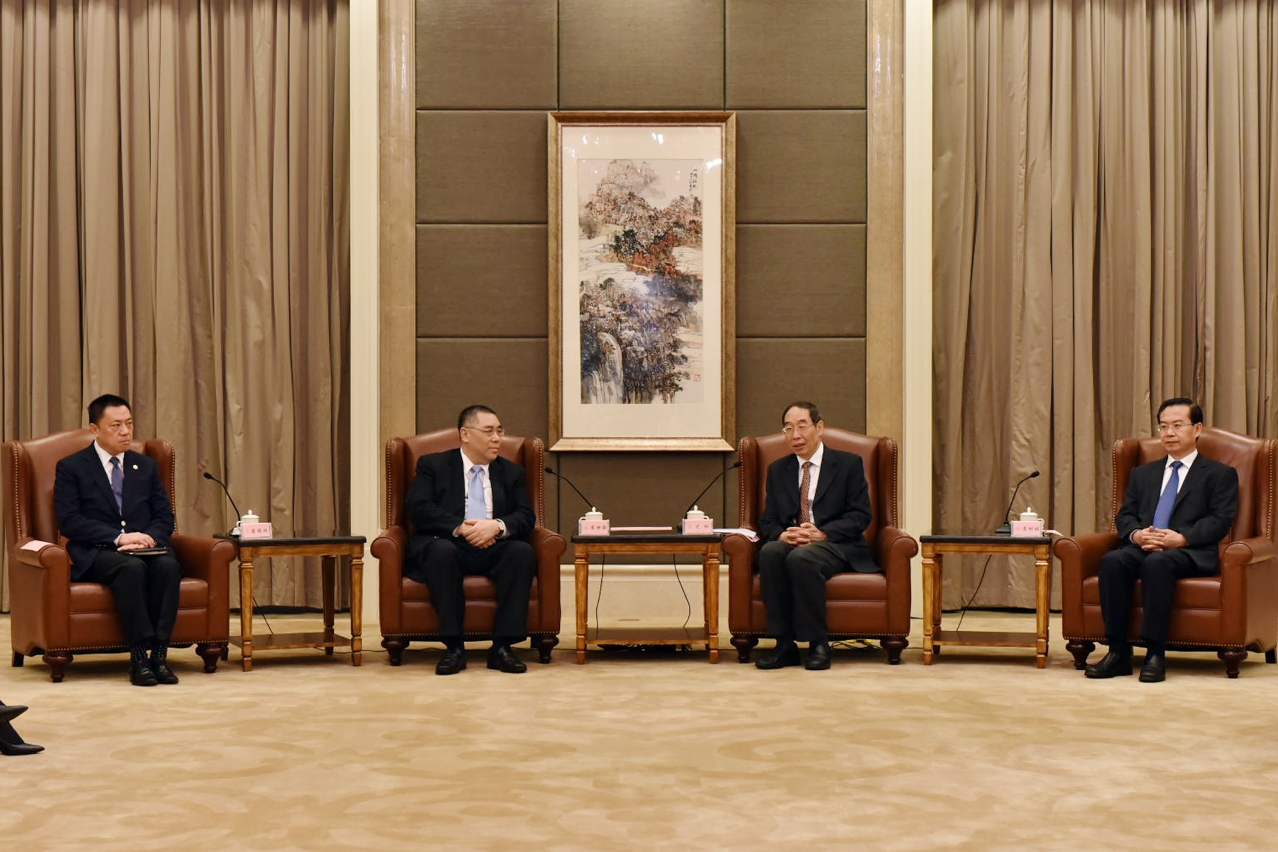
{"x":1105,"y":236}
{"x":173,"y":180}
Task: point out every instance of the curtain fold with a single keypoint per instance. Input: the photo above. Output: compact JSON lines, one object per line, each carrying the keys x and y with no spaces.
{"x":1104,"y":238}
{"x":172,"y":185}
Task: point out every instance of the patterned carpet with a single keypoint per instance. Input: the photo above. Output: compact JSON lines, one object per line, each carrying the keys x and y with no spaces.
{"x":981,"y":751}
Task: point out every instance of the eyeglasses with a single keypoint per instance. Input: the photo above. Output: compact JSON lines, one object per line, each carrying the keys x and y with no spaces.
{"x":1178,"y":426}
{"x":791,"y":428}
{"x":489,"y":431}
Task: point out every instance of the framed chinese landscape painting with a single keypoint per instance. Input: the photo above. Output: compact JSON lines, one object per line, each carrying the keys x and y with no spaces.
{"x":642,"y":290}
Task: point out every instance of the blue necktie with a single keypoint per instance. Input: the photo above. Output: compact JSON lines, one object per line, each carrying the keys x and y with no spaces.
{"x":1162,"y":513}
{"x":475,"y":505}
{"x":117,"y":483}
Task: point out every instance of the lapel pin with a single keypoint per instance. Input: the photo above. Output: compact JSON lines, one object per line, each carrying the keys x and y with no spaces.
{"x":135,"y":467}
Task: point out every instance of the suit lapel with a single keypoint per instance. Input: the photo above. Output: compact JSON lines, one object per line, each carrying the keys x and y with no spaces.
{"x":1195,"y":475}
{"x":99,"y":475}
{"x":829,"y":470}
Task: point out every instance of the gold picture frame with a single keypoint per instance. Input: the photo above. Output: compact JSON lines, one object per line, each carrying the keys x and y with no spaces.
{"x":642,"y":247}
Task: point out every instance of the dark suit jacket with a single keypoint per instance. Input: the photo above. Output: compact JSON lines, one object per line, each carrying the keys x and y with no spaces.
{"x":437,"y":499}
{"x":88,"y":516}
{"x":841,"y":509}
{"x":1203,"y":512}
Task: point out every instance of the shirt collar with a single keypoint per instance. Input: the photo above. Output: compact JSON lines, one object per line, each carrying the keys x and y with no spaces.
{"x":467,"y":464}
{"x":816,"y":457}
{"x":105,"y":457}
{"x":1185,"y":463}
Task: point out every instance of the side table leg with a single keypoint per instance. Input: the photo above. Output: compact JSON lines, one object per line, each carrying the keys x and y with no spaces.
{"x":581,"y":567}
{"x":710,"y":580}
{"x":357,"y":606}
{"x":1043,"y":590}
{"x":329,"y":579}
{"x":929,"y":603}
{"x":246,"y":611}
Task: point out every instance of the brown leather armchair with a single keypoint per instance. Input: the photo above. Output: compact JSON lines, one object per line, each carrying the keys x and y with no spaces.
{"x":1229,"y":613}
{"x":406,"y":610}
{"x":58,"y":618}
{"x":867,"y":606}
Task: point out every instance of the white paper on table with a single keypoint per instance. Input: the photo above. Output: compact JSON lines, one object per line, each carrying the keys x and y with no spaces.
{"x":748,"y":533}
{"x":36,"y":544}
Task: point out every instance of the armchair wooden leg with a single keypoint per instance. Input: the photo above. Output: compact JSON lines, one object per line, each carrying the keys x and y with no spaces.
{"x":395,"y":648}
{"x":1271,"y":656}
{"x":211,"y":652}
{"x":544,"y":643}
{"x":19,"y":659}
{"x":744,"y":645}
{"x":1232,"y":658}
{"x":57,"y":663}
{"x":1080,"y":650}
{"x":894,"y":646}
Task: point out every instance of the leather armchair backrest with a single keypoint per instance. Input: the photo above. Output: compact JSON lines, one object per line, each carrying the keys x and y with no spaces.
{"x":1255,"y":459}
{"x":401,"y":465}
{"x":878,"y":454}
{"x":30,"y":468}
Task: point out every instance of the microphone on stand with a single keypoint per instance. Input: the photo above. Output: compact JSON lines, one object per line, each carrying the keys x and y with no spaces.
{"x":736,"y":464}
{"x":585,"y":499}
{"x":1006,"y":529}
{"x":235,"y":530}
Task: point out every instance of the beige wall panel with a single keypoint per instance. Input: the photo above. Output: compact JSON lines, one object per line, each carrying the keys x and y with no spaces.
{"x":812,"y":56}
{"x":481,"y":280}
{"x":801,"y":281}
{"x":800,"y":166}
{"x":507,"y":375}
{"x":773,"y":372}
{"x":481,"y":167}
{"x":641,"y":489}
{"x":490,"y":54}
{"x":655,"y":54}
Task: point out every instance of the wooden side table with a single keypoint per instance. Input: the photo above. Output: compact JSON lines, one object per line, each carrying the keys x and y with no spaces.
{"x":936,"y":546}
{"x":707,"y":546}
{"x":330,"y":547}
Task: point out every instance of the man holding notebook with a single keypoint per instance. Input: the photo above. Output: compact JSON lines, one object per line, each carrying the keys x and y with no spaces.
{"x":117,"y":517}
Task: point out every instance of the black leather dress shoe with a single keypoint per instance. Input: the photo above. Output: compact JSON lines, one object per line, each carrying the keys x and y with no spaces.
{"x":453,"y":661}
{"x":9,"y":712}
{"x":15,"y":749}
{"x":163,"y":674}
{"x":785,"y":654}
{"x":1113,"y":664}
{"x":504,"y":659}
{"x":141,"y":674}
{"x":1154,"y":670}
{"x":818,"y":657}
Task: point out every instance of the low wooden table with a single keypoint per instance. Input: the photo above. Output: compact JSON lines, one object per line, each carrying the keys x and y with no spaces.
{"x":936,"y":546}
{"x":330,"y":547}
{"x":709,"y":547}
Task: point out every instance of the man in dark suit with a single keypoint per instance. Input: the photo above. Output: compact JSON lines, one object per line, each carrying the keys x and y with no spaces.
{"x":117,"y":515}
{"x":1175,"y":513}
{"x":813,"y":526}
{"x":471,"y":515}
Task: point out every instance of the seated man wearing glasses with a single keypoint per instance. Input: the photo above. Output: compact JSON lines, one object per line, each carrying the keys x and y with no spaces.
{"x":471,"y":515}
{"x":1175,"y":513}
{"x":813,"y":526}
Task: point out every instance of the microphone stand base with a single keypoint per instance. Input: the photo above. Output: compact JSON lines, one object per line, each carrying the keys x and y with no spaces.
{"x":1006,"y":529}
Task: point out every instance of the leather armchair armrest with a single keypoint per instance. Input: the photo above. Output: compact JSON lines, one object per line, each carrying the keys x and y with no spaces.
{"x":40,"y":595}
{"x":391,"y":549}
{"x":1080,"y":554}
{"x":51,"y":561}
{"x":1248,"y":551}
{"x":739,"y":551}
{"x":202,"y":557}
{"x":894,"y":547}
{"x":549,"y":547}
